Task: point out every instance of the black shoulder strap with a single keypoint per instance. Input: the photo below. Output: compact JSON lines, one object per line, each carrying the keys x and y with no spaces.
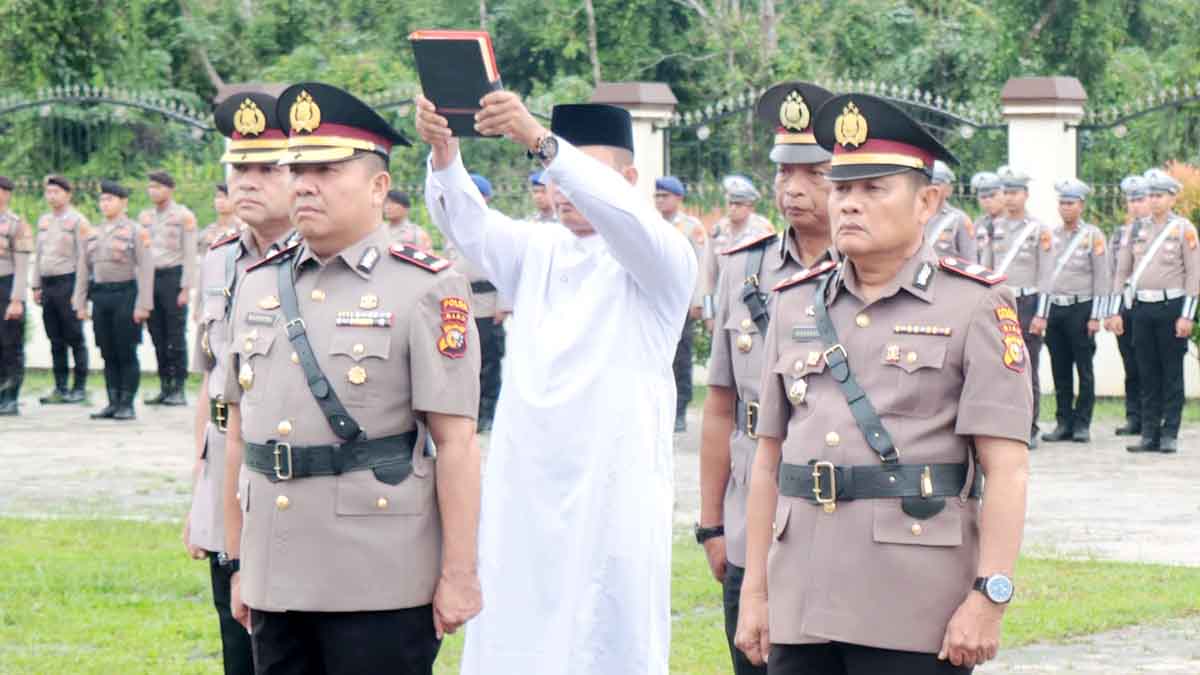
{"x":231,"y":257}
{"x":865,"y":415}
{"x":339,"y":418}
{"x":755,"y":302}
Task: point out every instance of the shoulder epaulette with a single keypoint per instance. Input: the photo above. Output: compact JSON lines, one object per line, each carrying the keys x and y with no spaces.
{"x":229,"y":238}
{"x":277,"y":257}
{"x":806,"y":275}
{"x":971,"y":270}
{"x":753,"y":243}
{"x":415,"y":256}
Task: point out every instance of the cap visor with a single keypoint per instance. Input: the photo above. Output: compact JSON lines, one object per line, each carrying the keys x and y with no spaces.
{"x":253,"y":157}
{"x":799,"y":153}
{"x":847,"y":172}
{"x":315,"y":155}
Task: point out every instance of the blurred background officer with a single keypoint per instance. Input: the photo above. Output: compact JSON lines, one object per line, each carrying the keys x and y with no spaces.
{"x":395,"y":216}
{"x":987,"y":190}
{"x":60,"y":235}
{"x":950,"y":231}
{"x":668,"y":199}
{"x":117,"y":274}
{"x":173,"y":237}
{"x":543,"y":201}
{"x":226,"y":222}
{"x":1159,"y":275}
{"x":16,"y":246}
{"x":1079,"y":296}
{"x":739,"y":224}
{"x":1137,"y":211}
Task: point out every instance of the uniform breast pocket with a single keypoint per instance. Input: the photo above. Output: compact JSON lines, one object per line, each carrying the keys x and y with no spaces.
{"x":893,"y":526}
{"x":214,"y":303}
{"x":359,"y":493}
{"x":358,"y":359}
{"x":743,"y":337}
{"x":913,"y":373}
{"x":254,"y":370}
{"x":800,"y":369}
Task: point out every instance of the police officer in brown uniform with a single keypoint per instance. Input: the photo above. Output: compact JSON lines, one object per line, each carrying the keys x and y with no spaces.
{"x":950,"y":230}
{"x":1159,"y":277}
{"x":987,"y":188}
{"x":892,"y":384}
{"x":227,"y":222}
{"x":60,"y":236}
{"x":173,"y":243}
{"x":16,"y":245}
{"x":395,"y":214}
{"x":356,"y":547}
{"x":260,"y":199}
{"x":1081,"y":282}
{"x":741,"y":223}
{"x":743,"y":311}
{"x":1137,"y":211}
{"x":1022,"y":248}
{"x":116,"y":273}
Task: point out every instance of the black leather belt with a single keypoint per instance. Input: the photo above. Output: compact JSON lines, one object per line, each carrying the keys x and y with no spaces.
{"x":162,"y":271}
{"x":113,"y":286}
{"x":482,"y":287}
{"x":824,"y":483}
{"x":218,"y":413}
{"x":747,"y":417}
{"x":390,"y":458}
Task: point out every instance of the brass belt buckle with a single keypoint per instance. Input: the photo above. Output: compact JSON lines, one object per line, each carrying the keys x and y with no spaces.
{"x":752,"y":420}
{"x":828,"y":503}
{"x":221,"y":419}
{"x":836,"y":348}
{"x":280,"y":450}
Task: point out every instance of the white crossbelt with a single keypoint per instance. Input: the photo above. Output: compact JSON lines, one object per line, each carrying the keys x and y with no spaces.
{"x":1066,"y":256}
{"x":1132,"y":282}
{"x":1016,"y":246}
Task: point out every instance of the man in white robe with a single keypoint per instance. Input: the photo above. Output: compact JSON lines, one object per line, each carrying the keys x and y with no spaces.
{"x":575,"y":532}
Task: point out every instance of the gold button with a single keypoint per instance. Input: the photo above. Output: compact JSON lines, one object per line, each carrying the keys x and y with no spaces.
{"x":381,"y":503}
{"x":317,"y":295}
{"x":911,"y":357}
{"x":798,"y":366}
{"x":745,"y":343}
{"x":747,"y":324}
{"x":862,"y":320}
{"x":284,"y":428}
{"x":295,"y":358}
{"x":282,"y":502}
{"x":358,"y":349}
{"x":248,"y":346}
{"x":916,"y":529}
{"x":832,"y":438}
{"x":357,"y":375}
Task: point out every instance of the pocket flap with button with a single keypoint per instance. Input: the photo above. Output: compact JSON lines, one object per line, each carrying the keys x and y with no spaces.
{"x":740,"y":322}
{"x":801,"y":362}
{"x":361,"y":344}
{"x":359,"y":493}
{"x":893,"y":526}
{"x":257,"y":343}
{"x":783,"y":510}
{"x":913,"y":357}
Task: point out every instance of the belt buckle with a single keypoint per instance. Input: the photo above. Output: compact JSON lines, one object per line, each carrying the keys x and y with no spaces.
{"x":220,"y":419}
{"x":752,"y":420}
{"x":280,"y":450}
{"x":828,"y":503}
{"x":836,"y":348}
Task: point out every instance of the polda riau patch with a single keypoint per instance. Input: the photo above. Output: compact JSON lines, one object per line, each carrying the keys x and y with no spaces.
{"x":453,"y":341}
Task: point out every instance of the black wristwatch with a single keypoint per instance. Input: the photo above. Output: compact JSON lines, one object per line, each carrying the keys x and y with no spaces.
{"x":231,"y":565}
{"x":998,"y":588}
{"x":703,"y":534}
{"x":547,"y":149}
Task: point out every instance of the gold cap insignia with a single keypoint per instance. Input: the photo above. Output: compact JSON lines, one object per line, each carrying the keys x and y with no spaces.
{"x":249,"y":119}
{"x":850,"y":128}
{"x":793,"y":112}
{"x":305,"y":115}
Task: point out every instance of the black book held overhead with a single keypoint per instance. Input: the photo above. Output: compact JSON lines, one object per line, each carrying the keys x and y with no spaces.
{"x":457,"y":68}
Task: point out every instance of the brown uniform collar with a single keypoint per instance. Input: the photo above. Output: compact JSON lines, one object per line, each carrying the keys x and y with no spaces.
{"x":379,"y":238}
{"x":915,"y":277}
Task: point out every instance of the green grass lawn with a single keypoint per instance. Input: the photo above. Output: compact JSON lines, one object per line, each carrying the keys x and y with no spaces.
{"x":40,"y":381}
{"x":113,"y":596}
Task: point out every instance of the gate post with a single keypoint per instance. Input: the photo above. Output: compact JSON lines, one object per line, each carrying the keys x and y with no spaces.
{"x":1041,"y":113}
{"x":650,"y":104}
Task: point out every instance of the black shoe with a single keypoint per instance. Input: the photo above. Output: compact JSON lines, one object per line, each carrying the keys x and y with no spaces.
{"x":55,"y":397}
{"x":1168,"y":445}
{"x":1082,"y":435}
{"x":8,"y":403}
{"x":1033,"y":441}
{"x":680,"y":424}
{"x":1060,"y":433}
{"x":124,"y":407}
{"x":109,"y":410}
{"x":1145,"y":445}
{"x":1130,"y":429}
{"x":175,"y":396}
{"x":77,"y":396}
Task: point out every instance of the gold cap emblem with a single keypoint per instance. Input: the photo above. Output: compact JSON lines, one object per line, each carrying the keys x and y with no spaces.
{"x":850,"y":128}
{"x":249,"y":119}
{"x":304,"y":115}
{"x":793,"y":112}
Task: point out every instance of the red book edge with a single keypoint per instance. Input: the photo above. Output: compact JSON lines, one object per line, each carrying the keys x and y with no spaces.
{"x":482,"y":37}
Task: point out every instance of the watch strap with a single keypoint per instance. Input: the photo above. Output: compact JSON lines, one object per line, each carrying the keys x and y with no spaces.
{"x":703,"y":534}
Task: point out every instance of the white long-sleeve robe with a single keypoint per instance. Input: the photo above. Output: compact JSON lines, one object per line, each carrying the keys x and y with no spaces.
{"x":575,"y":532}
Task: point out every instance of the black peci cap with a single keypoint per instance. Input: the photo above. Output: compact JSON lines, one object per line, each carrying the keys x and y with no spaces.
{"x":790,"y":108}
{"x":59,"y":180}
{"x":399,"y":197}
{"x":112,"y":187}
{"x":162,"y":178}
{"x":250,"y":123}
{"x":583,"y":124}
{"x":870,"y":137}
{"x":6,"y":184}
{"x":325,"y":124}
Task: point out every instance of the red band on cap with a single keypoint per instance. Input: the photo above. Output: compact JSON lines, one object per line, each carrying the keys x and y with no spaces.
{"x":344,"y":131}
{"x":882,"y":146}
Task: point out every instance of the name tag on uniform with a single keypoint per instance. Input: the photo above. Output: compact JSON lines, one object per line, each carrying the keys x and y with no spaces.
{"x":364,"y":319}
{"x":260,"y":318}
{"x":802,"y":333}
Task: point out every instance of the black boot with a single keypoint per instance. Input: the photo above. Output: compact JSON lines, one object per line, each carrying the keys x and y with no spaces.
{"x":107,"y":412}
{"x":55,"y":396}
{"x":8,"y":400}
{"x":77,"y":395}
{"x":125,"y":406}
{"x":164,"y":389}
{"x":1148,"y":444}
{"x":1062,"y":432}
{"x":1081,"y":435}
{"x":1132,"y":428}
{"x":1169,"y":445}
{"x":175,"y":395}
{"x":1033,"y":440}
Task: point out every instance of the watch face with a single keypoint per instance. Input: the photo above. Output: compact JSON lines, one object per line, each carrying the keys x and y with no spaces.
{"x":999,"y":588}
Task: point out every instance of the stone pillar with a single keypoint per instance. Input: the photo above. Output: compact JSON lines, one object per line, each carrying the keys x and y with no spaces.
{"x":651,"y":104}
{"x":1041,"y":113}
